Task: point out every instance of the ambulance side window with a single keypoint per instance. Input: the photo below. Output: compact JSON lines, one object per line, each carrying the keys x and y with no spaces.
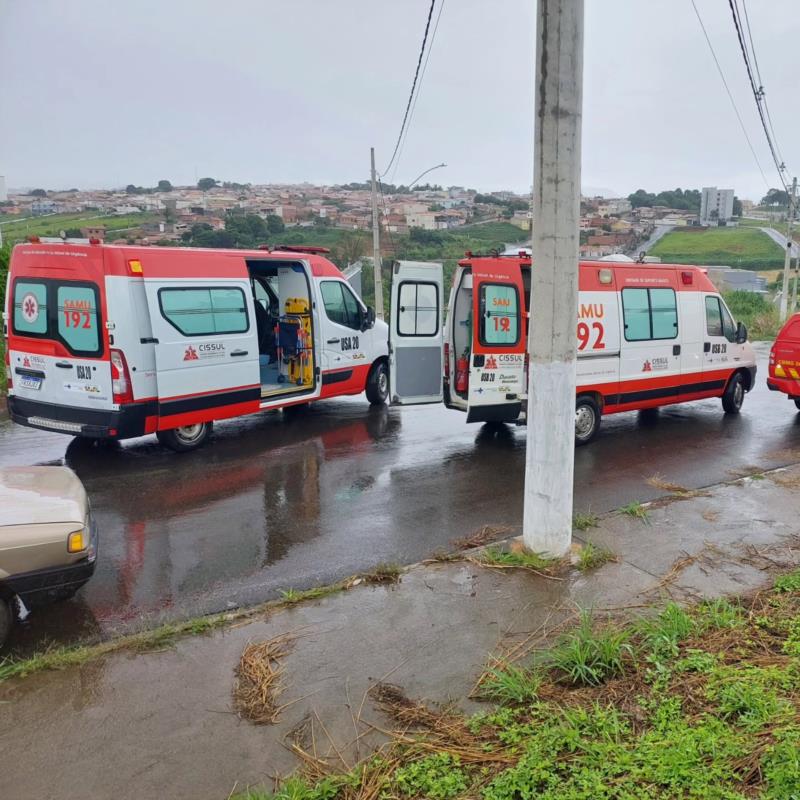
{"x":649,"y":314}
{"x":204,"y":311}
{"x":728,"y":328}
{"x":713,"y":317}
{"x":340,"y":304}
{"x":499,"y":323}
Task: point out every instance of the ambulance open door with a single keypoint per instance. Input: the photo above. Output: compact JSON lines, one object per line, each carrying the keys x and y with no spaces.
{"x":415,"y":333}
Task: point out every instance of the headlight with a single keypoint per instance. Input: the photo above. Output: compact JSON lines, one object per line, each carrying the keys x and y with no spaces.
{"x":77,"y":541}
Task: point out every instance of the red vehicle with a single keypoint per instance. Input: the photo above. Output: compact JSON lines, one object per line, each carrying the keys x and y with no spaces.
{"x":784,"y":361}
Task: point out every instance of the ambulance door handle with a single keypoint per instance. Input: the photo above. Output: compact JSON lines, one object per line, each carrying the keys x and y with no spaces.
{"x":64,"y":364}
{"x":334,"y":341}
{"x":238,"y":353}
{"x":676,"y":349}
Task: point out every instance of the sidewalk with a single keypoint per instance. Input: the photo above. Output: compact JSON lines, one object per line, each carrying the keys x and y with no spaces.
{"x":162,"y":724}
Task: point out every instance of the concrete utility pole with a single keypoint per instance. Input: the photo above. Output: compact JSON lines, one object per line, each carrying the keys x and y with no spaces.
{"x":550,"y":455}
{"x":376,"y":241}
{"x":788,"y":257}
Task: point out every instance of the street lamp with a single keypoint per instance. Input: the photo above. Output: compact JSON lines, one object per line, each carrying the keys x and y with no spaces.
{"x":430,"y":169}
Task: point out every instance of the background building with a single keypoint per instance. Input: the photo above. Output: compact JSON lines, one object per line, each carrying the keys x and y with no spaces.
{"x":716,"y":205}
{"x":3,"y":190}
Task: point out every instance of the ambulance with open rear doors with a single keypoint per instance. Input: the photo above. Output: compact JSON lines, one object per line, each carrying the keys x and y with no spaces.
{"x":648,"y":335}
{"x":112,"y":342}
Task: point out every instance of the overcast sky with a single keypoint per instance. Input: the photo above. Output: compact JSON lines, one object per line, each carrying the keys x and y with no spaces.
{"x":96,"y":93}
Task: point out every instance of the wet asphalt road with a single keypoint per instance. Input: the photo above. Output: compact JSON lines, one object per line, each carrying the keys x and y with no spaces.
{"x":281,"y":501}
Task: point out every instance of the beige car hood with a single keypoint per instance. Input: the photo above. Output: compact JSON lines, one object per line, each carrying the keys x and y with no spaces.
{"x":41,"y":495}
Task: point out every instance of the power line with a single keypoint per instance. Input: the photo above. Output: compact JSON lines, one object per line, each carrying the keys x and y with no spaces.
{"x":413,"y":87}
{"x":758,"y":75}
{"x":730,"y":96}
{"x":421,"y":78}
{"x":757,"y":94}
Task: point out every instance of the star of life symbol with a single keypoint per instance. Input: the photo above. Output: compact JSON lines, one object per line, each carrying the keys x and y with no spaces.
{"x":30,"y":308}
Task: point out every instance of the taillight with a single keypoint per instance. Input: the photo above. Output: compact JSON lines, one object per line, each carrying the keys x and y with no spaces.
{"x":447,"y":360}
{"x":120,"y":379}
{"x":8,"y":368}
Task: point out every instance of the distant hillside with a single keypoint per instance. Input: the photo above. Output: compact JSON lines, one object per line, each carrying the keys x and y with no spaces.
{"x":744,"y":248}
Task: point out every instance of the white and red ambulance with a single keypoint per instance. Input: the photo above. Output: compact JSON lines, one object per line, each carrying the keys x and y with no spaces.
{"x":648,"y":335}
{"x":113,"y":342}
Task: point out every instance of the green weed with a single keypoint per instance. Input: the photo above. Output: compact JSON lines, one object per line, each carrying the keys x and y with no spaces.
{"x":591,"y":557}
{"x":582,"y":521}
{"x":522,"y":559}
{"x":438,"y":777}
{"x":587,"y":656}
{"x":509,"y":683}
{"x":636,"y":510}
{"x":788,"y":583}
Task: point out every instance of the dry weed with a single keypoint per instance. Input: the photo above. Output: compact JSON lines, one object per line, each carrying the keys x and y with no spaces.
{"x":259,"y":681}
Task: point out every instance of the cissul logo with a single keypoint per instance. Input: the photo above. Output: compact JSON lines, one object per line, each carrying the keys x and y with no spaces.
{"x":491,"y":363}
{"x":190,"y":354}
{"x":647,"y":367}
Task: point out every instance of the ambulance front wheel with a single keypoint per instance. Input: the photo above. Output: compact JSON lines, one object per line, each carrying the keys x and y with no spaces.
{"x":188,"y":437}
{"x":587,"y":420}
{"x":734,"y":395}
{"x":378,"y":384}
{"x":796,"y":402}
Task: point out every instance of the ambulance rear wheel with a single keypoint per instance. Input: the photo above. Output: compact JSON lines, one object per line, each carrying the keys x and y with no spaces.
{"x":734,"y":395}
{"x":185,"y":438}
{"x":378,"y":384}
{"x":587,"y":420}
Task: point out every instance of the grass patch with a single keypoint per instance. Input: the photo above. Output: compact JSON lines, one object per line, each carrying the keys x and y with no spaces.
{"x":636,"y":510}
{"x":742,"y":248}
{"x":756,"y":312}
{"x":62,"y":657}
{"x":587,"y":656}
{"x":591,"y":557}
{"x":509,"y":683}
{"x":74,"y":655}
{"x":53,"y":224}
{"x":584,"y":520}
{"x":691,"y":702}
{"x":518,"y":558}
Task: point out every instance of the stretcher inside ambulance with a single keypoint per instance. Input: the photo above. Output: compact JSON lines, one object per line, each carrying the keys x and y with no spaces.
{"x":114,"y":342}
{"x":648,"y":335}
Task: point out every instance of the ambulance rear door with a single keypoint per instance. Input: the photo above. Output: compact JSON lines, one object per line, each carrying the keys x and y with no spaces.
{"x":416,"y":333}
{"x":497,"y":371}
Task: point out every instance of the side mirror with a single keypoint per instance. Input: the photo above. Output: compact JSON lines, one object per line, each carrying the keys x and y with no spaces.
{"x":741,"y":333}
{"x":368,"y":319}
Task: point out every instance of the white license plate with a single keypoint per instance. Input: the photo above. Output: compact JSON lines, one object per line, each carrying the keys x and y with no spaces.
{"x":30,"y":382}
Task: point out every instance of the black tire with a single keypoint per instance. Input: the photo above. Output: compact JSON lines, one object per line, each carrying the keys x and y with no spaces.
{"x":378,"y":384}
{"x":187,"y":438}
{"x":587,"y":420}
{"x":734,"y":395}
{"x":796,"y":402}
{"x":6,"y":619}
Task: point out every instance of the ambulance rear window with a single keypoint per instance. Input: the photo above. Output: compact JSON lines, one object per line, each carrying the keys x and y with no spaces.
{"x":30,"y":307}
{"x":78,"y":318}
{"x":499,"y":321}
{"x":64,"y":311}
